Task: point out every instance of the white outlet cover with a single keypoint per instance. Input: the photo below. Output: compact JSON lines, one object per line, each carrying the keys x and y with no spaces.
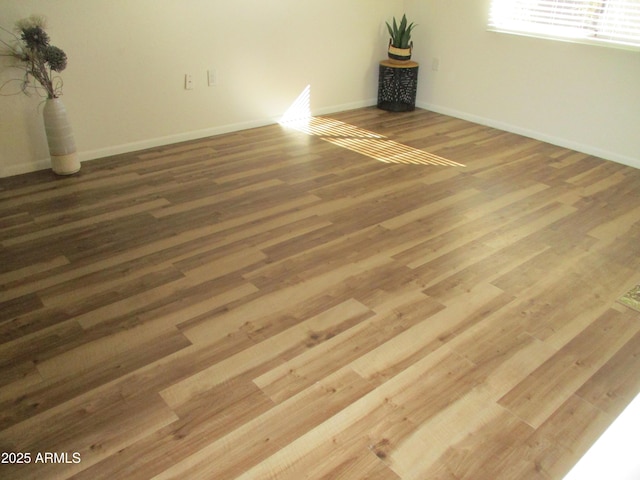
{"x":188,"y":82}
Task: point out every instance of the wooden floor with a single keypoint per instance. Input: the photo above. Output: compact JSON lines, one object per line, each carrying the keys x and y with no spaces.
{"x":269,"y":304}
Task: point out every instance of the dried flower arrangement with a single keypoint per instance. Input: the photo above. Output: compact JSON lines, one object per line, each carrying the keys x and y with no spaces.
{"x":36,"y":56}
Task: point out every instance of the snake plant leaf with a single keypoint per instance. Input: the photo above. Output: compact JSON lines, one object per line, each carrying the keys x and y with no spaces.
{"x":404,"y":41}
{"x":400,"y":34}
{"x":406,"y":38}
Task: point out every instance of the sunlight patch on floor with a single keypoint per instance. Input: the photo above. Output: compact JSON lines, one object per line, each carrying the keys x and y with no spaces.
{"x":298,"y":117}
{"x":328,"y":127}
{"x":367,"y":143}
{"x":615,"y":454}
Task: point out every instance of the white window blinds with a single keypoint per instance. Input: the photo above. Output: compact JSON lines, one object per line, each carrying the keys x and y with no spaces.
{"x":613,"y":21}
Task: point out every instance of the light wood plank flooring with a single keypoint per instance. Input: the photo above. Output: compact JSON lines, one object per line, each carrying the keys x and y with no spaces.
{"x":278,"y":304}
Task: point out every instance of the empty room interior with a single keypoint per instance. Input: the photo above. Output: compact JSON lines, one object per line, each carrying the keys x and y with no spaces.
{"x":261,"y":270}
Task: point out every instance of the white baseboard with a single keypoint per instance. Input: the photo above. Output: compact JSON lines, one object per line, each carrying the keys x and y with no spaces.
{"x":345,"y":106}
{"x":544,"y":137}
{"x":207,"y":132}
{"x":170,"y":139}
{"x":88,"y":155}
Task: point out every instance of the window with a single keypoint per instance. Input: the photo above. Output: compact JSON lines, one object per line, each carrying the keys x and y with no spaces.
{"x":613,"y":22}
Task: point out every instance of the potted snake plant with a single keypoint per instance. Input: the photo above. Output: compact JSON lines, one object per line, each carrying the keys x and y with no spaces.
{"x":400,"y":44}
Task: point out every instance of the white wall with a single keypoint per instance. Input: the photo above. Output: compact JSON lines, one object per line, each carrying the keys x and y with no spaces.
{"x":582,"y":97}
{"x":123,"y":86}
{"x":124,"y":83}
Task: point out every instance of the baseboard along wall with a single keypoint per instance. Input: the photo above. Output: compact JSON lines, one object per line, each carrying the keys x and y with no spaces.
{"x":88,"y":155}
{"x":543,"y":137}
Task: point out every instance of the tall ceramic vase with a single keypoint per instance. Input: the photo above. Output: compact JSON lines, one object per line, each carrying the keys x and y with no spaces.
{"x":62,"y":146}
